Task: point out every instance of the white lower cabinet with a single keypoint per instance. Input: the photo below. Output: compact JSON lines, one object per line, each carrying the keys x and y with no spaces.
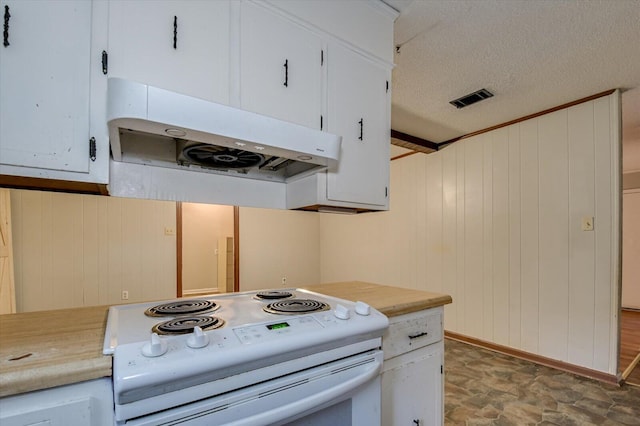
{"x":80,"y":404}
{"x":413,"y":370}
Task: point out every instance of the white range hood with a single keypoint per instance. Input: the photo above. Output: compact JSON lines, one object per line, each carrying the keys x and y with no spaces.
{"x":157,"y":129}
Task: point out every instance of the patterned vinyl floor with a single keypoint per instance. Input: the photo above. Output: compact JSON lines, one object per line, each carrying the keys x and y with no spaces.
{"x":486,"y":388}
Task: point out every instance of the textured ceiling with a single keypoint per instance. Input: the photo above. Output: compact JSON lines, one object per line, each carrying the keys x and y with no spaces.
{"x":532,"y":54}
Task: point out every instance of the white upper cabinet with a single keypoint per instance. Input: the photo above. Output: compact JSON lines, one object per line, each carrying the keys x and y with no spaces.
{"x":50,"y":77}
{"x":280,"y":66}
{"x":182,"y":46}
{"x":358,"y":104}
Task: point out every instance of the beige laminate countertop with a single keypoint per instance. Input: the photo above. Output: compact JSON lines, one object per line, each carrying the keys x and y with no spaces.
{"x":40,"y":350}
{"x":391,"y":301}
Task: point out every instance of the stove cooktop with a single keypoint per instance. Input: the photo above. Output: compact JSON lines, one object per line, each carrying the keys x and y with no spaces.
{"x":134,"y":323}
{"x":233,"y":341}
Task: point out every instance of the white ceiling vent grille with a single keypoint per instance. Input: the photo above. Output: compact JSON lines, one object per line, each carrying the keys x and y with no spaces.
{"x":471,"y":98}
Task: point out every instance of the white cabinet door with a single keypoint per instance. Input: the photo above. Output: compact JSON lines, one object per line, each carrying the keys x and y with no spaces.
{"x":45,"y":85}
{"x":181,"y":46}
{"x":280,"y":67}
{"x":412,"y":388}
{"x":78,"y":404}
{"x":358,"y":111}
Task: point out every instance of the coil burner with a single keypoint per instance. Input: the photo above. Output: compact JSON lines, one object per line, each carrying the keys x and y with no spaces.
{"x":295,"y":306}
{"x":184,"y":325}
{"x":273,"y":295}
{"x":182,"y":307}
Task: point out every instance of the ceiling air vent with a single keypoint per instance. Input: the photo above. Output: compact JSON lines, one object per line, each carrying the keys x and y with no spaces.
{"x":471,"y":98}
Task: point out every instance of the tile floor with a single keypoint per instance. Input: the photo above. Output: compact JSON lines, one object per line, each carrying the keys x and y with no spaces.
{"x":486,"y":388}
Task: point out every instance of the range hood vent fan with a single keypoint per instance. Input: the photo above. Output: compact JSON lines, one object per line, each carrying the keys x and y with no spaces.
{"x":155,"y":127}
{"x":471,"y":98}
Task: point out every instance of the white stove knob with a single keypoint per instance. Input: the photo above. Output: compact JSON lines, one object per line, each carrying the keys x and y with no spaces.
{"x":362,"y":309}
{"x":197,"y":339}
{"x":155,"y":347}
{"x":341,"y":312}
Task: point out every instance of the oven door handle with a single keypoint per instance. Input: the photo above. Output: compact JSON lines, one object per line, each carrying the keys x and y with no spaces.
{"x":306,"y":404}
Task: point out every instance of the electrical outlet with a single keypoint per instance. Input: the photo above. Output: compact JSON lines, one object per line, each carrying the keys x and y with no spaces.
{"x":284,"y":281}
{"x":125,"y":295}
{"x":169,"y":231}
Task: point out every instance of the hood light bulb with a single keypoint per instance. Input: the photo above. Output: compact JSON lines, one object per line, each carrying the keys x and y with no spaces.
{"x":178,"y":133}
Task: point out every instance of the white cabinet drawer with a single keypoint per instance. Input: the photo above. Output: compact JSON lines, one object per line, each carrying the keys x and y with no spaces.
{"x":412,"y":331}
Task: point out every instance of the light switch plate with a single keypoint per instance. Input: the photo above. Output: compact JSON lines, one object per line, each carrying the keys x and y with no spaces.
{"x":587,"y":223}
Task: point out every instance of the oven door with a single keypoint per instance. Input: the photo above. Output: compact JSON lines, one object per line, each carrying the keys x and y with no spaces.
{"x":345,"y":392}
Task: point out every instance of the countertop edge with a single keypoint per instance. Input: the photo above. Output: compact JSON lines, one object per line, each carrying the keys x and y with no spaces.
{"x":17,"y":382}
{"x":408,"y":308}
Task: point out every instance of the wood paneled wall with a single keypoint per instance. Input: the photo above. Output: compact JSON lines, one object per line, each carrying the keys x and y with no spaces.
{"x":80,"y":250}
{"x":7,"y":286}
{"x":495,"y":220}
{"x":277,"y":244}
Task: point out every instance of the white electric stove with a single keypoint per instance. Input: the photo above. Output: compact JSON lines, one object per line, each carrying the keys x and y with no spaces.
{"x":255,"y":358}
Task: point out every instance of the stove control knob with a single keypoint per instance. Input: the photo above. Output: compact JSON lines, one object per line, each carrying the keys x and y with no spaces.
{"x":362,"y":309}
{"x":155,"y":347}
{"x":197,"y":339}
{"x":341,"y":312}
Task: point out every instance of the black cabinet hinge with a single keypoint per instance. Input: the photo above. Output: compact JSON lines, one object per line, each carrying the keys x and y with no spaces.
{"x":105,"y":62}
{"x":92,"y":148}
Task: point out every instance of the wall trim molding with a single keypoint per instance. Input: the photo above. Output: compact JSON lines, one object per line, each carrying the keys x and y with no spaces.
{"x":530,"y":116}
{"x":536,"y":359}
{"x":406,"y":154}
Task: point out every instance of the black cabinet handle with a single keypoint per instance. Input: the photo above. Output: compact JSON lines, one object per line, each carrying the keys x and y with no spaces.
{"x":105,"y":62}
{"x":5,"y":32}
{"x":286,"y":73}
{"x":175,"y":32}
{"x":415,"y":336}
{"x":92,"y":148}
{"x":361,"y":122}
{"x":416,"y":422}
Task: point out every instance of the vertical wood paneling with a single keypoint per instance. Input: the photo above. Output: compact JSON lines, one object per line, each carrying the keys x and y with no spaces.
{"x":473,"y":233}
{"x":521,"y":271}
{"x":434,"y":223}
{"x":115,"y":246}
{"x":553,"y":234}
{"x":130,"y":256}
{"x":607,"y":167}
{"x":487,"y":235}
{"x":418,"y":219}
{"x":34,"y":254}
{"x":581,"y":243}
{"x":105,"y":278}
{"x":16,"y":228}
{"x":500,"y":223}
{"x":515,"y":224}
{"x":529,"y":244}
{"x":81,"y":250}
{"x":460,"y":237}
{"x":7,"y":280}
{"x":91,"y":253}
{"x":168,"y":269}
{"x":450,"y":249}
